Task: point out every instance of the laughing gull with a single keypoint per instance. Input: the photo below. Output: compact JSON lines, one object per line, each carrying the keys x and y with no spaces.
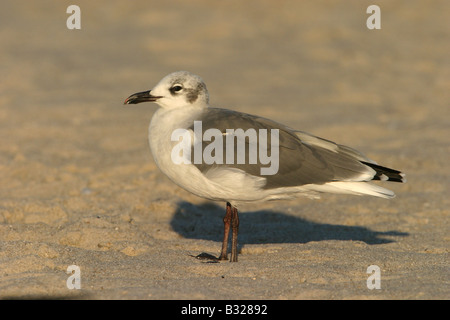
{"x":208,"y":164}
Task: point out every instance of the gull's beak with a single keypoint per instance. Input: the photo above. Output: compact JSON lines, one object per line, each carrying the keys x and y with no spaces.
{"x":141,"y":97}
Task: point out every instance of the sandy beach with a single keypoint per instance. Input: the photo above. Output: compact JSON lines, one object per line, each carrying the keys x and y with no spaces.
{"x":79,"y":185}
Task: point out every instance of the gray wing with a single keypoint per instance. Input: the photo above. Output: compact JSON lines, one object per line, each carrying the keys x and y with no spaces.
{"x":303,"y":158}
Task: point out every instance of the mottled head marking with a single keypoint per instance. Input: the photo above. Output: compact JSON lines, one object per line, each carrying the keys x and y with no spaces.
{"x":192,"y":94}
{"x":181,"y":88}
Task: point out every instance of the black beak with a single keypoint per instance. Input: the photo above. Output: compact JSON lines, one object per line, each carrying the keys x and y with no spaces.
{"x":141,"y":97}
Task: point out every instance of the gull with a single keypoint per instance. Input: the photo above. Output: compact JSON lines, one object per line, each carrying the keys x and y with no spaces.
{"x":306,"y":165}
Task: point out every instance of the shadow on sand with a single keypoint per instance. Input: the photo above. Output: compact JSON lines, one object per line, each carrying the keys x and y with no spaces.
{"x":205,"y":222}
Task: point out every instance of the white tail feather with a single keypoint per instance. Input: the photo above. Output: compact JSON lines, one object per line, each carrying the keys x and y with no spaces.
{"x":348,"y":187}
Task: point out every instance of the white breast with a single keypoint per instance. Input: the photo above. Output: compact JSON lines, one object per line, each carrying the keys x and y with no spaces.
{"x":187,"y":176}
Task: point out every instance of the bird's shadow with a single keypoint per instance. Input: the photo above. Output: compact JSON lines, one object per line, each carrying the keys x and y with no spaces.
{"x":257,"y":227}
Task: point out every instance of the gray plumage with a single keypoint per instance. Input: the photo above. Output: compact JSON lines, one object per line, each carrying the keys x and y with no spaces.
{"x":303,"y":158}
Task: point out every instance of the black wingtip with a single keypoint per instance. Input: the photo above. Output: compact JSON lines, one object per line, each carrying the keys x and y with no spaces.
{"x":386,"y":174}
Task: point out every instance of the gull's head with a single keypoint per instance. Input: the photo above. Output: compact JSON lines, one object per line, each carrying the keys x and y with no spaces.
{"x":176,"y":90}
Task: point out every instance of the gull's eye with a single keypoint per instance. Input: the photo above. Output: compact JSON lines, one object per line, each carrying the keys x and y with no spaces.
{"x":176,"y":88}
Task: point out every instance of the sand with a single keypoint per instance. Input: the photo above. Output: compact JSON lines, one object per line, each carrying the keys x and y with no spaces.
{"x":79,"y":185}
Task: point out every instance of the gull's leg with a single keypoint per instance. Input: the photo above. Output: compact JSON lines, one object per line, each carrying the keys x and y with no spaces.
{"x":226,"y":231}
{"x":235,"y":229}
{"x":227,"y":223}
